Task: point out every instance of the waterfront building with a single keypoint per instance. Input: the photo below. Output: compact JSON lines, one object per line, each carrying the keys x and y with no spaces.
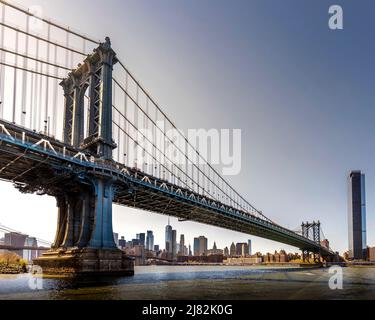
{"x":215,"y":251}
{"x":2,"y":243}
{"x":201,"y":259}
{"x":371,"y":254}
{"x":156,"y":248}
{"x":122,"y":243}
{"x":357,"y":216}
{"x":244,"y":261}
{"x":15,"y":239}
{"x":250,"y":252}
{"x":283,"y":257}
{"x":190,"y":253}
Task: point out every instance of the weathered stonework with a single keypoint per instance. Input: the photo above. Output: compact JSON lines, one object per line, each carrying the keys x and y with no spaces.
{"x":86,"y":262}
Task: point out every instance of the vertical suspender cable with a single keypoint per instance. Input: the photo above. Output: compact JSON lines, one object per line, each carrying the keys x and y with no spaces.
{"x":2,"y":68}
{"x":31,"y":100}
{"x":40,"y":98}
{"x":15,"y":73}
{"x":126,"y":142}
{"x":66,"y":51}
{"x":46,"y":124}
{"x":36,"y":78}
{"x":119,"y":124}
{"x":24,"y":74}
{"x":54,"y":124}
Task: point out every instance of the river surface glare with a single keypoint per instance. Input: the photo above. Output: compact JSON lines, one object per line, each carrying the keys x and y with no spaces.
{"x":197,"y":283}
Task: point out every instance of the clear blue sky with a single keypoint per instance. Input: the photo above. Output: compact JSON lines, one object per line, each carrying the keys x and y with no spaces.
{"x":302,"y":94}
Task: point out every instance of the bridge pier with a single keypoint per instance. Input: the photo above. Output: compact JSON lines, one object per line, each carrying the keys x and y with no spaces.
{"x":84,"y":243}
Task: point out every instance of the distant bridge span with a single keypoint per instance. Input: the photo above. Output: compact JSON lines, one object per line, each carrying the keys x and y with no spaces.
{"x":18,"y":248}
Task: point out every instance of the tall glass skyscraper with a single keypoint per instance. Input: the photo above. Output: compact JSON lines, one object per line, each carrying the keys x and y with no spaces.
{"x":150,"y":240}
{"x":168,"y":238}
{"x":142,"y":238}
{"x":357,"y":216}
{"x":174,"y":244}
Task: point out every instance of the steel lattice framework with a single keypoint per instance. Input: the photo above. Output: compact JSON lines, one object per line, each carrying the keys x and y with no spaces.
{"x":44,"y":138}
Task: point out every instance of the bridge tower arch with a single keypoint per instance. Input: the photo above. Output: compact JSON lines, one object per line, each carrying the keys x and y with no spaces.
{"x":311,"y":231}
{"x":84,"y":241}
{"x":96,"y":74}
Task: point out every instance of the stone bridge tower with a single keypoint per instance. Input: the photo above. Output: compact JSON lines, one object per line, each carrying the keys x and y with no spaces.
{"x":84,"y":242}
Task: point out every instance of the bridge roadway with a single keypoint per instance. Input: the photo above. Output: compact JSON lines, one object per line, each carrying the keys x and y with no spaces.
{"x":36,"y":163}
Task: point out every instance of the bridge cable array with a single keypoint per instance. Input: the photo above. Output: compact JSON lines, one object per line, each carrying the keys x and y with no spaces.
{"x":36,"y":106}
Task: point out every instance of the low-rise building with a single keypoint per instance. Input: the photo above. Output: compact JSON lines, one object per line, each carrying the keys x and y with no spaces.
{"x":244,"y":260}
{"x":371,"y":254}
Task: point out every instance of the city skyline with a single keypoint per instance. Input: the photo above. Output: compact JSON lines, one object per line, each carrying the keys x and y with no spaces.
{"x":168,"y":229}
{"x":278,"y":170}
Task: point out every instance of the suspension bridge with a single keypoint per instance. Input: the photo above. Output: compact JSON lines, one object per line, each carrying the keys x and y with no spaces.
{"x":75,"y":124}
{"x":22,"y":244}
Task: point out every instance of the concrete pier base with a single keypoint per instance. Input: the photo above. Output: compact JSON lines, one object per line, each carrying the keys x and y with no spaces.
{"x":85,"y":262}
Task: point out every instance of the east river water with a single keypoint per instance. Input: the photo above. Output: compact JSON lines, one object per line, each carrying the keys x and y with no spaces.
{"x":198,"y":282}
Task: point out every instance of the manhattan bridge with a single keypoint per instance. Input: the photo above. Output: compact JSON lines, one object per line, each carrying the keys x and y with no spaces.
{"x":75,"y":124}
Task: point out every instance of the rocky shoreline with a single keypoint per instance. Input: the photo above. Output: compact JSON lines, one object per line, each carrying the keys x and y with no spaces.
{"x":12,"y":269}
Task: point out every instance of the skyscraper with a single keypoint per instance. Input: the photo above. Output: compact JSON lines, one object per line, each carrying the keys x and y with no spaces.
{"x":182,"y":245}
{"x":168,"y":238}
{"x":174,"y":244}
{"x":232,"y":252}
{"x":250,"y":249}
{"x":357,"y":216}
{"x":242,"y":249}
{"x":150,"y":240}
{"x":226,"y":252}
{"x":203,"y":242}
{"x":196,"y":247}
{"x":142,"y":238}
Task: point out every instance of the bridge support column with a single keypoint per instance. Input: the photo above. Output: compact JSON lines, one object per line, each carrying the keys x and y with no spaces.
{"x":84,"y":243}
{"x":102,"y":233}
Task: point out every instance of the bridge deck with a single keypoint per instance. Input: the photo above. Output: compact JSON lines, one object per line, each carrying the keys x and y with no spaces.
{"x":22,"y":151}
